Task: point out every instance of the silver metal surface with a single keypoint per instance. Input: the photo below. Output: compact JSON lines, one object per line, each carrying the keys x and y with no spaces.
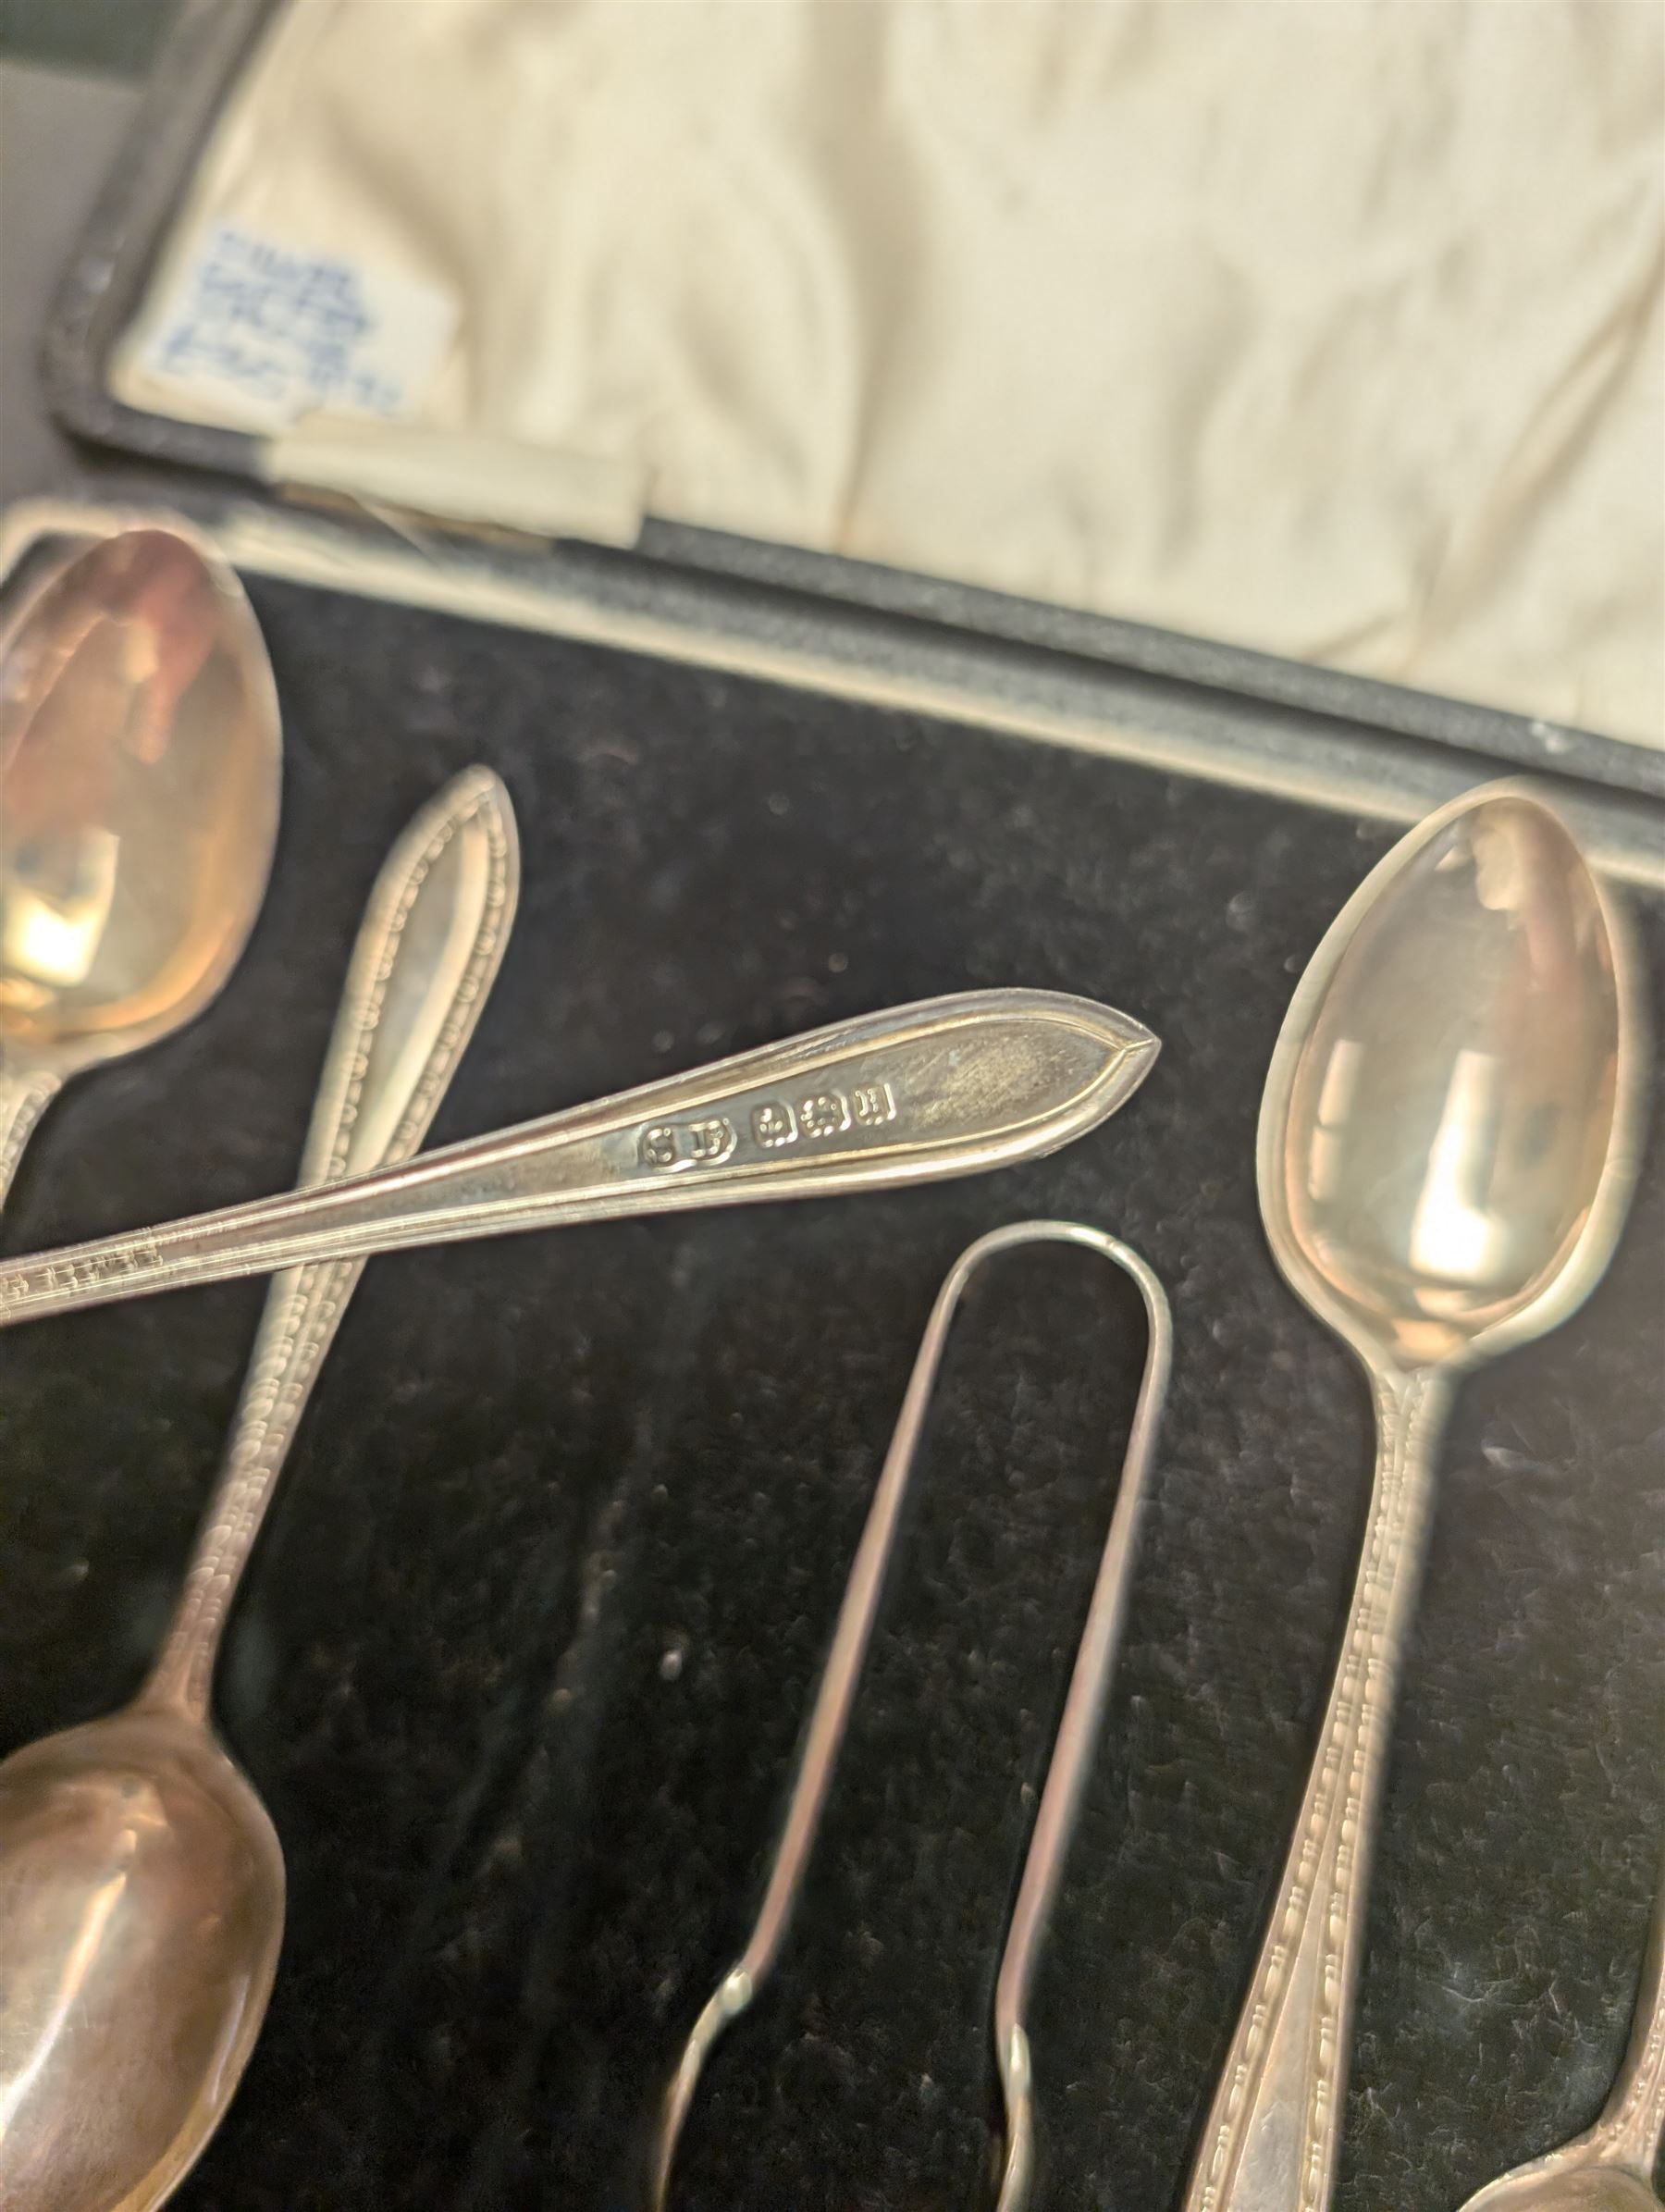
{"x":1609,"y":2167}
{"x":946,"y":1087}
{"x":139,"y":775}
{"x":141,"y":1882}
{"x":1072,"y":1751}
{"x":1448,"y":1143}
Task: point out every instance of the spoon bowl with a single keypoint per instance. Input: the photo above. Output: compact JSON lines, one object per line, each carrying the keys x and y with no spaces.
{"x":111,"y":1837}
{"x":139,"y":788}
{"x":1580,"y":2189}
{"x":1441,"y":1162}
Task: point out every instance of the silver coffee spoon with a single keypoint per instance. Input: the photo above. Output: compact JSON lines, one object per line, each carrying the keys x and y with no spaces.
{"x":141,"y":1887}
{"x":1447,"y":1147}
{"x":1611,"y":2168}
{"x":138,"y":770}
{"x":912,"y":1095}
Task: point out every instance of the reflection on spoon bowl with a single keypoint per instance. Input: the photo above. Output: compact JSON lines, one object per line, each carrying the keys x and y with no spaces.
{"x":154,"y":1813}
{"x":1436,"y":1147}
{"x":139,"y":773}
{"x":1587,"y":2188}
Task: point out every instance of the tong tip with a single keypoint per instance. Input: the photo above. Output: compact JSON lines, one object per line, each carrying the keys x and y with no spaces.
{"x":1016,"y":2087}
{"x":725,"y":2004}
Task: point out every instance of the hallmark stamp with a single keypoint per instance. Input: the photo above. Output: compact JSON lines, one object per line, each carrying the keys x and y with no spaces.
{"x":773,"y":1124}
{"x":671,"y":1145}
{"x":824,"y":1115}
{"x":659,"y":1147}
{"x":709,"y":1143}
{"x":873,"y":1105}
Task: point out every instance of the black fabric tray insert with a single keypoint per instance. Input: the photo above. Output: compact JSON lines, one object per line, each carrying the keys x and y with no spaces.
{"x":521,"y":1666}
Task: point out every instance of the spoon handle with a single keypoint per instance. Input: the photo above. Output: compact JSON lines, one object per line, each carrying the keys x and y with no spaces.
{"x":915,"y":1093}
{"x":426,"y":956}
{"x":25,"y":1093}
{"x":1275,"y":2127}
{"x":1632,"y":2126}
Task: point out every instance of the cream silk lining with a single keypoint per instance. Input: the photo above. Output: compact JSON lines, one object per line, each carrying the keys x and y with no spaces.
{"x":1328,"y":326}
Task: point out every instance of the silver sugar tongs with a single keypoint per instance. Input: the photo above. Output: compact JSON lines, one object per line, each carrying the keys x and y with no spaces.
{"x":1072,"y":1749}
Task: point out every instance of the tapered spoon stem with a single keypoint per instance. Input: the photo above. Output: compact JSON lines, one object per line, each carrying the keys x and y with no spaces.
{"x":1632,"y":2127}
{"x":301,"y":1309}
{"x":25,"y":1093}
{"x":412,"y":992}
{"x":1272,"y":2134}
{"x":950,"y":1086}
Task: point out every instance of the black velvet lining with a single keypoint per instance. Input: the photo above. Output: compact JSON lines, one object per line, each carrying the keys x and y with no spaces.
{"x":521,"y":1666}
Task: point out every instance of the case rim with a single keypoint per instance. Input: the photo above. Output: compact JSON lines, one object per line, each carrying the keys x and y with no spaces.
{"x":703,"y":619}
{"x":1230,"y":710}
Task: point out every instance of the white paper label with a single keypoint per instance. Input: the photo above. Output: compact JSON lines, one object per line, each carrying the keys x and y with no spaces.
{"x":264,"y":333}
